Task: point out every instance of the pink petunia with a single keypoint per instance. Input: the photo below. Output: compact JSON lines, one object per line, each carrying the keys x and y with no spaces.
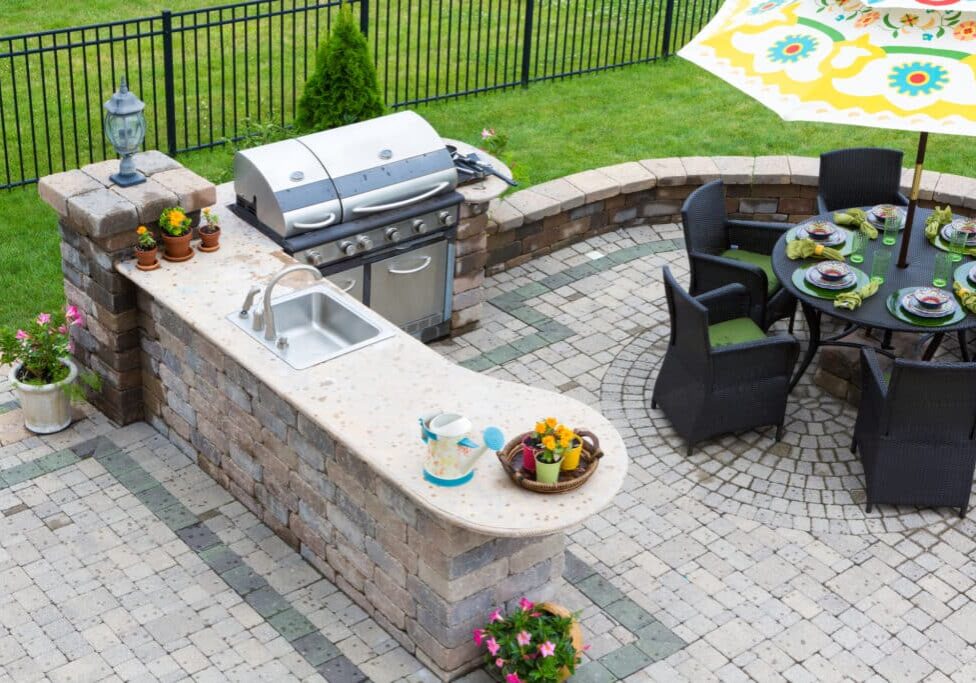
{"x":512,"y":678}
{"x":487,"y":133}
{"x":526,"y":604}
{"x":499,"y":662}
{"x":547,"y":649}
{"x":479,"y":636}
{"x":523,"y":638}
{"x":72,"y":315}
{"x":43,"y":318}
{"x":493,"y":646}
{"x":495,"y":616}
{"x":21,"y":336}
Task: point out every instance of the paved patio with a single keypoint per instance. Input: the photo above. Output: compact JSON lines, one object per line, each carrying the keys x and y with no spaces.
{"x":748,"y":561}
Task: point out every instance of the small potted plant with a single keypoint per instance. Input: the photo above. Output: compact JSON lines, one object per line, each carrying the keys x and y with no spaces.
{"x":146,"y":249}
{"x":210,"y":231}
{"x":537,"y":642}
{"x":42,"y":373}
{"x":547,"y":447}
{"x":175,"y":225}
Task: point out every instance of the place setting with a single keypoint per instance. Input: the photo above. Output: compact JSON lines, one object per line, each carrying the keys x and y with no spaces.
{"x":925,"y":306}
{"x":828,"y":279}
{"x":957,"y":237}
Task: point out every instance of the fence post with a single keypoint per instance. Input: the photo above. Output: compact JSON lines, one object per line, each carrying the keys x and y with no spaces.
{"x":169,"y":83}
{"x":527,"y":41}
{"x":364,"y":16}
{"x":668,"y":22}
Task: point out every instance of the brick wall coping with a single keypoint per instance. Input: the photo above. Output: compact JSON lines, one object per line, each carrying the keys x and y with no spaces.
{"x":370,"y":400}
{"x":555,"y":196}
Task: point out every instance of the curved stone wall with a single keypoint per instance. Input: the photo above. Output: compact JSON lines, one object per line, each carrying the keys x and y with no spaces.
{"x":552,"y":215}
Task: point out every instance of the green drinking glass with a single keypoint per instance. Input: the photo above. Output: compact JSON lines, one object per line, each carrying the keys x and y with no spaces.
{"x":943,"y":270}
{"x":891,"y":226}
{"x":858,"y":242}
{"x":880,"y":264}
{"x":957,"y":244}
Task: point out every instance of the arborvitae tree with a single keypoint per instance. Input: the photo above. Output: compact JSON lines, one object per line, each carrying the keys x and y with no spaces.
{"x":343,"y":88}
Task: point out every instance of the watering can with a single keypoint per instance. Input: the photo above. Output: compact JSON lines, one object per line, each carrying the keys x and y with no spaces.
{"x":451,"y":450}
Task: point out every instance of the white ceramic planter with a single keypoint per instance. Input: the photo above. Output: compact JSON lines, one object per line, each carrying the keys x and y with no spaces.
{"x":46,"y":408}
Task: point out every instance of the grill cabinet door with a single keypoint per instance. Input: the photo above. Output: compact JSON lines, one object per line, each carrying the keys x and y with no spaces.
{"x":410,"y":286}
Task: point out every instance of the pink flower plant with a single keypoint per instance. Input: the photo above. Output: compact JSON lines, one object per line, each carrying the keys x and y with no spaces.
{"x":512,"y":678}
{"x":479,"y":636}
{"x":547,"y":649}
{"x":493,"y":646}
{"x":526,"y":605}
{"x":523,"y":638}
{"x":39,"y":347}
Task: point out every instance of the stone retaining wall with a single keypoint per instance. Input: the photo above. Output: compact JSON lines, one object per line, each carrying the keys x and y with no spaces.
{"x":426,"y":582}
{"x":546,"y":217}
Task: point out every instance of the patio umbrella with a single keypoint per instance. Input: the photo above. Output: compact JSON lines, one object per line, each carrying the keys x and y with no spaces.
{"x":897,"y":64}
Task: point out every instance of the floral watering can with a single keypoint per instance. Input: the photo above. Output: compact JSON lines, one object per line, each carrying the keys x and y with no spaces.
{"x":451,"y":452}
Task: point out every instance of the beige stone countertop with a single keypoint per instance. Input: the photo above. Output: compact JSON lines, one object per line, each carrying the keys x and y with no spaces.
{"x":371,"y":399}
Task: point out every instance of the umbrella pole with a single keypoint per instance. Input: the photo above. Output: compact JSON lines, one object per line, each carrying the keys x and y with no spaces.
{"x":906,"y":237}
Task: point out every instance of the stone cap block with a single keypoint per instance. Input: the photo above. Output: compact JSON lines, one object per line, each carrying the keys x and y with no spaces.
{"x":595,"y":184}
{"x":505,"y":216}
{"x":954,"y":189}
{"x":631,"y":176}
{"x":700,"y":170}
{"x":102,"y":213}
{"x":102,"y":170}
{"x":193,"y":192}
{"x":57,"y":189}
{"x":668,"y":172}
{"x":569,"y":195}
{"x":735,"y":170}
{"x":926,"y":190}
{"x":804,"y":171}
{"x":153,"y":161}
{"x":533,"y":205}
{"x":149,"y":198}
{"x":771,"y":170}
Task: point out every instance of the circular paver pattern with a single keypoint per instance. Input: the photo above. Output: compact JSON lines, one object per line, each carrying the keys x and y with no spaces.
{"x":809,"y":481}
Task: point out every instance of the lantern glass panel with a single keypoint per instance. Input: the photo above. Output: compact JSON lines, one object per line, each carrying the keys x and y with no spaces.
{"x":125,"y":132}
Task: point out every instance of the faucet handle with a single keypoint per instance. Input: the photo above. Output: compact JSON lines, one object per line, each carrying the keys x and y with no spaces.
{"x":249,"y":300}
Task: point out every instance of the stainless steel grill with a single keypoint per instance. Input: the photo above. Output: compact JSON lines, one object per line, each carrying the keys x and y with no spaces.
{"x":372,"y":205}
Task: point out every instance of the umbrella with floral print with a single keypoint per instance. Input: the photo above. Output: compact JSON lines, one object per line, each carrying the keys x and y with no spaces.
{"x":898,"y":64}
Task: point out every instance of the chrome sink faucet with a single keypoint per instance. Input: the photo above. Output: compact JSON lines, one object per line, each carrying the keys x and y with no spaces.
{"x":269,"y":322}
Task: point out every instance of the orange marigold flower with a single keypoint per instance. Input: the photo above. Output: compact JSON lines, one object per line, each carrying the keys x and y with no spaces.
{"x":551,"y":421}
{"x":549,"y":442}
{"x":142,"y":230}
{"x":540,"y":427}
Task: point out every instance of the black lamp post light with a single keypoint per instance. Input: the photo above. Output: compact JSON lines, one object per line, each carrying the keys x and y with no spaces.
{"x":125,"y":128}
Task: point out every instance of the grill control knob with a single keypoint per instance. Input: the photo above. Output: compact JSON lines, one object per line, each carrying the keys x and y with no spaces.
{"x":347,"y":248}
{"x":445,"y":217}
{"x":315,"y":258}
{"x":419,"y":227}
{"x":364,"y":242}
{"x":393,"y":234}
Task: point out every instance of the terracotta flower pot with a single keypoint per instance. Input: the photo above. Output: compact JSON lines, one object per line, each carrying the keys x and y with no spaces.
{"x":46,"y":408}
{"x":575,"y":632}
{"x":177,"y":248}
{"x":146,"y":258}
{"x":209,"y":240}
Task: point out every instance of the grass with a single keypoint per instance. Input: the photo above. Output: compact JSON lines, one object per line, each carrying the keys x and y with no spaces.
{"x":665,"y":109}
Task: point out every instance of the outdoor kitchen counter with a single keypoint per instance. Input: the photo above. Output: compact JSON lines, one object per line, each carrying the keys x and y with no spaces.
{"x":370,"y":399}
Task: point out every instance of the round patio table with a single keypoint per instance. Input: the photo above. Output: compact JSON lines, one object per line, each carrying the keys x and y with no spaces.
{"x":873,"y":312}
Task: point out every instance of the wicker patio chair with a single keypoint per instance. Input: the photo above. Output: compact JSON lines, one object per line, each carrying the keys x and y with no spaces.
{"x":860,"y":176}
{"x":722,"y":251}
{"x":914,"y":434}
{"x":721,"y":373}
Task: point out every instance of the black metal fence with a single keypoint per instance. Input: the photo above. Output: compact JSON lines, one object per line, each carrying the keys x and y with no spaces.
{"x":205,"y":74}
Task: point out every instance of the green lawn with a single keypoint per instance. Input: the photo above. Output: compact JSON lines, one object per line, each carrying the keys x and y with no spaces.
{"x":557,"y":128}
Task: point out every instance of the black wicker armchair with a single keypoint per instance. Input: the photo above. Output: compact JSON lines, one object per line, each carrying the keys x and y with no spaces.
{"x":723,"y":251}
{"x":915,"y":434}
{"x":721,"y":373}
{"x":860,"y":176}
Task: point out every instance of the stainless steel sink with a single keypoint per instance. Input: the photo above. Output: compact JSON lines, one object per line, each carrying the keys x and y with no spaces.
{"x":314,"y":325}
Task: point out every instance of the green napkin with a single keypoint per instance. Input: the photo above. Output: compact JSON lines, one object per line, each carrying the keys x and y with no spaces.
{"x":806,"y":248}
{"x":852,"y":300}
{"x":966,"y":296}
{"x":856,"y":218}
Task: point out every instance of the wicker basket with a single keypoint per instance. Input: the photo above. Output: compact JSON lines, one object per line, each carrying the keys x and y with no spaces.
{"x":569,"y":480}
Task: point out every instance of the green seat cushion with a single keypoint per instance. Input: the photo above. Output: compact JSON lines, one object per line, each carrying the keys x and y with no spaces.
{"x":761,"y":260}
{"x":735,"y":331}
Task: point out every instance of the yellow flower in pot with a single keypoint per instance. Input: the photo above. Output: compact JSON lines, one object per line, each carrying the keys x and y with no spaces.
{"x":175,"y":226}
{"x":572,"y":448}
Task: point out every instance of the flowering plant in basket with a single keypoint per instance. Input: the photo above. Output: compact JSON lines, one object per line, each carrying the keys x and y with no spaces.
{"x":530,"y":644}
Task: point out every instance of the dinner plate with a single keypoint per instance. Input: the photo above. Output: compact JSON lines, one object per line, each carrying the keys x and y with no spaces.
{"x":837,"y":238}
{"x":911,"y":304}
{"x":946,"y":233}
{"x":815,"y":279}
{"x":873,"y":218}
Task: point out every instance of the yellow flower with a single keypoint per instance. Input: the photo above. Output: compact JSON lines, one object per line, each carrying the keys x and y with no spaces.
{"x":177,"y":217}
{"x":549,"y":442}
{"x":141,"y":230}
{"x":540,"y":427}
{"x":551,"y":421}
{"x":565,"y":440}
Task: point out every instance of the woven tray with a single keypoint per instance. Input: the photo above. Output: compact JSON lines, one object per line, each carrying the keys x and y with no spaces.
{"x":569,"y":480}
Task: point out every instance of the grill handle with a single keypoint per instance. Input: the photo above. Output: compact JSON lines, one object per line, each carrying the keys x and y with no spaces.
{"x":329,"y":220}
{"x":376,"y":208}
{"x":409,"y":271}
